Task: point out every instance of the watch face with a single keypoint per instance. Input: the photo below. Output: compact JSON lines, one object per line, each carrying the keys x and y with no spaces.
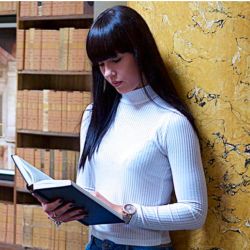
{"x":130,"y":209}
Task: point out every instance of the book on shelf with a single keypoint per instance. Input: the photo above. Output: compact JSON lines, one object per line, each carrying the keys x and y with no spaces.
{"x":50,"y":189}
{"x":50,"y":110}
{"x":54,"y":8}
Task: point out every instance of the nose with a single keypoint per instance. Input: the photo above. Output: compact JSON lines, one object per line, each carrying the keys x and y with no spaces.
{"x":108,"y":71}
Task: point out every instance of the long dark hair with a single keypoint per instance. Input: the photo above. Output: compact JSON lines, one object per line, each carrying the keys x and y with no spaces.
{"x":121,"y":29}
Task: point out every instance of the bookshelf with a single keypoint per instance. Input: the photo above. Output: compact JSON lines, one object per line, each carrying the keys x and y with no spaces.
{"x":7,"y":31}
{"x":47,"y":81}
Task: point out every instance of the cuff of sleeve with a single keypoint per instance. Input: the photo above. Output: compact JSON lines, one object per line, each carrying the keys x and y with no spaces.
{"x":135,"y":220}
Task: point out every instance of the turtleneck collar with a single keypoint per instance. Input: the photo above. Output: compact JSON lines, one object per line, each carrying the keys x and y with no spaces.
{"x":138,"y":96}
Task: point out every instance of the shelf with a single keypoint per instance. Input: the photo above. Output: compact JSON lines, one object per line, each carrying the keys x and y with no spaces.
{"x":6,"y":246}
{"x":47,"y":141}
{"x":6,"y":191}
{"x":24,"y":197}
{"x":56,"y":72}
{"x":45,"y":18}
{"x":8,"y":21}
{"x":7,"y":175}
{"x":56,"y":22}
{"x":22,"y":190}
{"x":7,"y":25}
{"x":9,"y":184}
{"x":34,"y":132}
{"x":8,"y":18}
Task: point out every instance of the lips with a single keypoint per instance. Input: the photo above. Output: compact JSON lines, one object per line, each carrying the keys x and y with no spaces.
{"x":116,"y":83}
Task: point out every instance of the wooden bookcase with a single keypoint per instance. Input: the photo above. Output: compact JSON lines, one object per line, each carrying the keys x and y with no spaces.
{"x":52,"y":80}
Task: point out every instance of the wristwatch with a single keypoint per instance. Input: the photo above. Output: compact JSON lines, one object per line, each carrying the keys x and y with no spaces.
{"x":128,"y":211}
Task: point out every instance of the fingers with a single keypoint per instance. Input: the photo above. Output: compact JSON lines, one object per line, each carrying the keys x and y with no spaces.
{"x":55,"y":210}
{"x":65,"y":212}
{"x":51,"y":206}
{"x":59,"y":211}
{"x":75,"y":214}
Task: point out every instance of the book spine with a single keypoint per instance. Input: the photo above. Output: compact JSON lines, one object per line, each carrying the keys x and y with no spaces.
{"x":33,"y":8}
{"x":64,"y":48}
{"x":25,"y":109}
{"x":55,"y":42}
{"x":58,"y":111}
{"x":44,"y":52}
{"x":79,"y":8}
{"x":27,"y":228}
{"x":79,"y":49}
{"x":37,"y":47}
{"x":38,"y":162}
{"x":20,"y":183}
{"x":19,"y":225}
{"x":10,"y":224}
{"x":69,"y":111}
{"x":64,"y":165}
{"x":20,"y":49}
{"x":19,"y":110}
{"x":27,"y":50}
{"x":3,"y":222}
{"x":42,"y":229}
{"x":24,"y":8}
{"x":46,"y":8}
{"x":40,"y":111}
{"x":45,"y":109}
{"x":47,"y":162}
{"x":87,"y":65}
{"x":71,"y":56}
{"x":29,"y":109}
{"x":51,"y":104}
{"x":64,"y":111}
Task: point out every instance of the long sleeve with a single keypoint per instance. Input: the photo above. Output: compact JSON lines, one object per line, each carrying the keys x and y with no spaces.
{"x":190,"y":211}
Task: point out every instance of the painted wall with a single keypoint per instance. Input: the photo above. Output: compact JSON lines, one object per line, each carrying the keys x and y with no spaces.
{"x":206,"y":48}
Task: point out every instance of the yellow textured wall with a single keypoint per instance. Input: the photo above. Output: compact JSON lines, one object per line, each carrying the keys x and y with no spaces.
{"x":205,"y":45}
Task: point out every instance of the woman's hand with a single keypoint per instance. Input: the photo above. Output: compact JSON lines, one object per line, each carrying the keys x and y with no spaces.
{"x":60,"y":211}
{"x":117,"y":208}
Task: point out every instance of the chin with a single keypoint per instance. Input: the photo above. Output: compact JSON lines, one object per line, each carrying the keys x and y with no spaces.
{"x":124,"y":91}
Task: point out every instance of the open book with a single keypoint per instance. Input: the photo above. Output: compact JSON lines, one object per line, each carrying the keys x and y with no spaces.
{"x":50,"y":189}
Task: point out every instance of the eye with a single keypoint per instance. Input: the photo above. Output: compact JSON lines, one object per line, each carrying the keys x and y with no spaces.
{"x":101,"y":64}
{"x":116,"y":60}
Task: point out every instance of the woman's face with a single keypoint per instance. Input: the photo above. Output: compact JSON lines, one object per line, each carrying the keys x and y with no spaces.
{"x":122,"y":72}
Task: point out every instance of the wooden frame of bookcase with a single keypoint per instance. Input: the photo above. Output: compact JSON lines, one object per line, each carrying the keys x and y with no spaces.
{"x":39,"y":80}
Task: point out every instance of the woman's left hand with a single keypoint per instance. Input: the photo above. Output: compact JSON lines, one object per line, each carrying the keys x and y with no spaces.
{"x":117,"y":208}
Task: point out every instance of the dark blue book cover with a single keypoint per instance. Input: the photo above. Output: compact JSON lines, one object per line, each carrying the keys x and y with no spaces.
{"x":43,"y":185}
{"x":97,"y":213}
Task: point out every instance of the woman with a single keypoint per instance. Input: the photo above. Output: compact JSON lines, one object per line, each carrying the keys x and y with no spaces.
{"x":138,"y":141}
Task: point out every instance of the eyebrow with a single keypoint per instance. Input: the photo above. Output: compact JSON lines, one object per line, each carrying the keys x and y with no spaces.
{"x":110,"y":58}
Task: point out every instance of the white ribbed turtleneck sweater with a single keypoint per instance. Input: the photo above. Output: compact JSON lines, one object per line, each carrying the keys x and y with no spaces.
{"x":148,"y":150}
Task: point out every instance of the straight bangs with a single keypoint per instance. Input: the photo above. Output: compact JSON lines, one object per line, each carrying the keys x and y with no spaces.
{"x":105,"y":43}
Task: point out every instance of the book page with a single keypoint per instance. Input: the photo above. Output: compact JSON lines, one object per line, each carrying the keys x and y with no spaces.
{"x":51,"y":183}
{"x":30,"y":173}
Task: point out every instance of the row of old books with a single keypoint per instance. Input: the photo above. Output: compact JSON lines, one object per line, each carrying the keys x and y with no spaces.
{"x":50,"y":110}
{"x":62,"y":49}
{"x":54,"y":8}
{"x":6,"y":222}
{"x":35,"y":230}
{"x":7,"y":7}
{"x":58,"y":164}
